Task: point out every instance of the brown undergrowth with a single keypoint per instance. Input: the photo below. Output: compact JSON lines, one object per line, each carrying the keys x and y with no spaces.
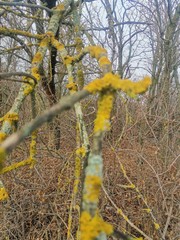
{"x":39,"y":198}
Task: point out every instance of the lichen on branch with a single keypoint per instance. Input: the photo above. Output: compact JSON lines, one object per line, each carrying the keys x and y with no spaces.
{"x":92,"y":227}
{"x":105,"y":104}
{"x":113,"y":82}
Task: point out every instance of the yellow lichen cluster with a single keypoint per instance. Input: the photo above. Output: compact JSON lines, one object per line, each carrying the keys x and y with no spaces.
{"x":49,"y":34}
{"x":92,"y":227}
{"x":14,"y":166}
{"x":119,"y":211}
{"x":3,"y":194}
{"x":104,"y":61}
{"x":2,"y":157}
{"x":93,"y":186}
{"x":102,"y":121}
{"x":10,"y":117}
{"x":20,"y":32}
{"x":33,"y":147}
{"x":97,"y":52}
{"x":68,"y":60}
{"x":2,"y":136}
{"x":123,"y":170}
{"x":79,"y":44}
{"x":44,"y":42}
{"x":35,"y":73}
{"x":57,"y":45}
{"x":156,"y":226}
{"x":60,"y":7}
{"x":148,"y":210}
{"x":81,"y":151}
{"x":111,"y":81}
{"x":28,"y":88}
{"x":80,"y":77}
{"x":46,"y":39}
{"x":77,"y":173}
{"x":37,"y":57}
{"x":72,"y":86}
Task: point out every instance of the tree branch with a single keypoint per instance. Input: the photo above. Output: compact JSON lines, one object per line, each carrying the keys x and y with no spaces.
{"x":9,"y":74}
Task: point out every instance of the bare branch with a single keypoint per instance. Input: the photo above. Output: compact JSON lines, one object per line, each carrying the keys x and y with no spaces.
{"x":9,"y":74}
{"x":14,"y":4}
{"x":118,"y":24}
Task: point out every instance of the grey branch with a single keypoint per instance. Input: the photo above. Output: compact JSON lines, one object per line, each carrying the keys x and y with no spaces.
{"x":118,"y":24}
{"x":9,"y":74}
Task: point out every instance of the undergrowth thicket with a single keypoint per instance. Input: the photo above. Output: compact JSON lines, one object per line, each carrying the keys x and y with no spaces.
{"x":40,"y":198}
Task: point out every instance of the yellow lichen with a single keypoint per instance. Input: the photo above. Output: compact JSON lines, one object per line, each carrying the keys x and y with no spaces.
{"x":119,"y":211}
{"x":111,"y":81}
{"x":35,"y":73}
{"x":33,"y":145}
{"x":81,"y":151}
{"x":37,"y":57}
{"x":20,"y":32}
{"x":28,"y":89}
{"x":93,"y":186}
{"x":44,"y":42}
{"x":132,"y":186}
{"x":141,"y":86}
{"x":14,"y":166}
{"x":10,"y":117}
{"x":68,"y":60}
{"x":102,"y":121}
{"x":49,"y":34}
{"x":125,"y":218}
{"x":80,"y":77}
{"x":57,"y":45}
{"x":32,"y":163}
{"x":77,"y":174}
{"x":70,"y":79}
{"x":104,"y":61}
{"x":79,"y":44}
{"x":92,"y":227}
{"x":123,"y":170}
{"x":2,"y":157}
{"x":148,"y":210}
{"x":3,"y":194}
{"x":156,"y":225}
{"x":32,"y":148}
{"x":72,"y":86}
{"x":2,"y":136}
{"x":60,"y":7}
{"x":107,"y":82}
{"x":97,"y":52}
